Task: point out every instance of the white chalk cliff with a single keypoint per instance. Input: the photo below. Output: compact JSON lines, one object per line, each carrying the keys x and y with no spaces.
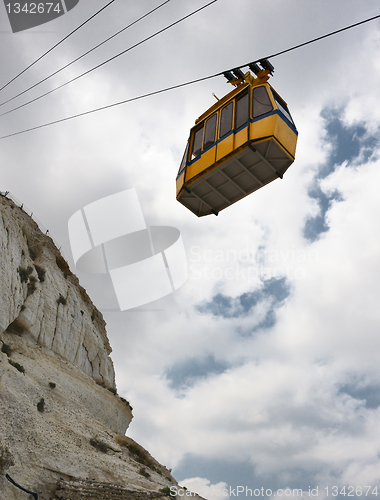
{"x":62,"y":423}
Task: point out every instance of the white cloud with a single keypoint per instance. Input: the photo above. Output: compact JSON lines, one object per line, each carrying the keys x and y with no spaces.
{"x":205,"y":489}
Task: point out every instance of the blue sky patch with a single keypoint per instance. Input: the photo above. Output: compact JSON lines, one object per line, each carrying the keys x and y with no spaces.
{"x":186,"y":374}
{"x":276,"y":289}
{"x":317,"y":225}
{"x":349,"y":142}
{"x":370,"y":394}
{"x":346,"y":141}
{"x":273,"y":292}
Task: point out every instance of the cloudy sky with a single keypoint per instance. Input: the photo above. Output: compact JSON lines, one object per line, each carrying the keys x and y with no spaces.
{"x":262,"y":371}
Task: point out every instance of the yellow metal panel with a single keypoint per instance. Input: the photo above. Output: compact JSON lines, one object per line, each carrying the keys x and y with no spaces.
{"x":222,"y":102}
{"x":241,"y":137}
{"x":263,"y":128}
{"x":224,"y":147}
{"x":179,"y":182}
{"x":206,"y":159}
{"x":285,"y":135}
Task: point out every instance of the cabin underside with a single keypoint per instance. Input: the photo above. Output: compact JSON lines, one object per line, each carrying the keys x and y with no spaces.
{"x":251,"y":167}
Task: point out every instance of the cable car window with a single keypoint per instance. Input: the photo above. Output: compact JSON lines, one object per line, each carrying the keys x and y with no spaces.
{"x":197,"y":143}
{"x":226,"y":119}
{"x":282,"y":107}
{"x":210,"y":131}
{"x":242,"y":111}
{"x":261,"y":103}
{"x":184,"y":159}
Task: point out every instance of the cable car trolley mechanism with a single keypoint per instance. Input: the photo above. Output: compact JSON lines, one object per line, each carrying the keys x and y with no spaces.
{"x":244,"y":141}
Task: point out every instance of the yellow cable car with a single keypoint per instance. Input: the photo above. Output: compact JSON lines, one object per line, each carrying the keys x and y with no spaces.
{"x":244,"y":141}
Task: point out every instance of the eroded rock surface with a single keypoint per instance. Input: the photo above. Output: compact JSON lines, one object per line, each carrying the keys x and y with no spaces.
{"x":62,"y":423}
{"x":41,"y":297}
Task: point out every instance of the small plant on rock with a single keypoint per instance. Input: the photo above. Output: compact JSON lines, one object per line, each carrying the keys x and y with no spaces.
{"x":18,"y":367}
{"x":6,"y":349}
{"x":61,"y":300}
{"x":41,"y":405}
{"x":40,"y":272}
{"x":167,"y":492}
{"x":24,"y":273}
{"x":99,"y":445}
{"x":144,"y":472}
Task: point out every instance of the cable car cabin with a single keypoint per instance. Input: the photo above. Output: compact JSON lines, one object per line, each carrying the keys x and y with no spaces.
{"x":243,"y":142}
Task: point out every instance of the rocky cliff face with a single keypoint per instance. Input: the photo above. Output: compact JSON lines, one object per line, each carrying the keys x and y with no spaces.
{"x":62,"y":423}
{"x":41,"y":297}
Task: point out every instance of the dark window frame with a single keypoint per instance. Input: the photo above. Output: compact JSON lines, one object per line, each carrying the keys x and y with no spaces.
{"x":222,"y":121}
{"x":207,"y":142}
{"x":263,"y":104}
{"x":282,"y":107}
{"x":238,"y":99}
{"x":194,"y":156}
{"x":184,"y":159}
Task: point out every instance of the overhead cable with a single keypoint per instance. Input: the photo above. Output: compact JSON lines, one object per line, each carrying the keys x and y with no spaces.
{"x":86,"y":53}
{"x":189,"y":83}
{"x":112,"y":105}
{"x":111,"y":58}
{"x":56,"y":45}
{"x":322,"y":37}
